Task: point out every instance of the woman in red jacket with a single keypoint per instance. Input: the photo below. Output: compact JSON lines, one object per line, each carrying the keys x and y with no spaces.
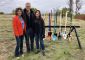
{"x":19,"y":29}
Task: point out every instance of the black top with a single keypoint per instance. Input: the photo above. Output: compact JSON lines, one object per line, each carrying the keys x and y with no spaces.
{"x":39,"y":26}
{"x":28,"y":18}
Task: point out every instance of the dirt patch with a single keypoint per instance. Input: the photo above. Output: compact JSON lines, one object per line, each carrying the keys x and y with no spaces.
{"x":82,"y":17}
{"x":6,"y":49}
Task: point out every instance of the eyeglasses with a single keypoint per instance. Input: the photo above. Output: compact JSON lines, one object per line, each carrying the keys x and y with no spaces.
{"x":27,"y":6}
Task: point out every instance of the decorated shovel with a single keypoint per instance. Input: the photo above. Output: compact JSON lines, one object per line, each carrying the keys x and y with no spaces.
{"x":64,"y":33}
{"x":54,"y":35}
{"x":60,"y":33}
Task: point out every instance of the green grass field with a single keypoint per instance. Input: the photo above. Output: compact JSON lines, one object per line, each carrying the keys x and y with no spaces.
{"x":59,"y":50}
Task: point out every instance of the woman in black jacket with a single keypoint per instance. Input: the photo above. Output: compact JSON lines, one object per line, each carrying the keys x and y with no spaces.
{"x":39,"y":32}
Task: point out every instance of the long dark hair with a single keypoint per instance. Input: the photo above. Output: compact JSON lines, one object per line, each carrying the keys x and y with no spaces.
{"x":39,"y":13}
{"x":17,"y":9}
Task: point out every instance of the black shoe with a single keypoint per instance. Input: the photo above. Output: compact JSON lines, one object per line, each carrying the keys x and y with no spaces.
{"x":37,"y":51}
{"x":43,"y":52}
{"x":17,"y":55}
{"x":32,"y":50}
{"x":21,"y":53}
{"x":28,"y":51}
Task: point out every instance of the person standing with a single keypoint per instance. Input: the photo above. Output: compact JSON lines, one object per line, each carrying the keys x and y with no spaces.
{"x":19,"y":29}
{"x":39,"y":32}
{"x":28,"y":16}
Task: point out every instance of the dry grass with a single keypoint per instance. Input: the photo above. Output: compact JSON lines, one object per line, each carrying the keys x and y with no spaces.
{"x":59,"y":50}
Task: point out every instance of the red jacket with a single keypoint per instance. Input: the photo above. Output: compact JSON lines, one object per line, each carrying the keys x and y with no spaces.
{"x":17,"y":27}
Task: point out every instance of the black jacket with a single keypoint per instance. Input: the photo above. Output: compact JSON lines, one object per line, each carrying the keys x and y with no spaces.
{"x":39,"y":26}
{"x":29,"y":19}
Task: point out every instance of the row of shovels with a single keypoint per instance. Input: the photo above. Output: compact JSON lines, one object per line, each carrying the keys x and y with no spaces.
{"x":64,"y":33}
{"x":54,"y":36}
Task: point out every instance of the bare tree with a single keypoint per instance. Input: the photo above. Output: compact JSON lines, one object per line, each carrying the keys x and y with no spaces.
{"x":70,"y":3}
{"x":70,"y":10}
{"x":78,"y":6}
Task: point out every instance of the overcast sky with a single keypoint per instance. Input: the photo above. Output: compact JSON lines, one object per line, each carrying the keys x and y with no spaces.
{"x":44,"y":5}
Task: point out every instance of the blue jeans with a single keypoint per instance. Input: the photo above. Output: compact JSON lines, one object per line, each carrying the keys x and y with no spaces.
{"x":39,"y":42}
{"x":19,"y":46}
{"x":29,"y":37}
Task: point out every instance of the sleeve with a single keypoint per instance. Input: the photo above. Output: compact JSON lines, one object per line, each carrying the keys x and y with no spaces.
{"x":15,"y":29}
{"x":43,"y":27}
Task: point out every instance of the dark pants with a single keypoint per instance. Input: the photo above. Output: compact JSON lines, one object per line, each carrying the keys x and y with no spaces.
{"x":39,"y":42}
{"x":29,"y":37}
{"x":19,"y":46}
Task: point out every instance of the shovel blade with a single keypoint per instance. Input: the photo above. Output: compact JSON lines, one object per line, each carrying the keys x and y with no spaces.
{"x":64,"y":36}
{"x":54,"y":37}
